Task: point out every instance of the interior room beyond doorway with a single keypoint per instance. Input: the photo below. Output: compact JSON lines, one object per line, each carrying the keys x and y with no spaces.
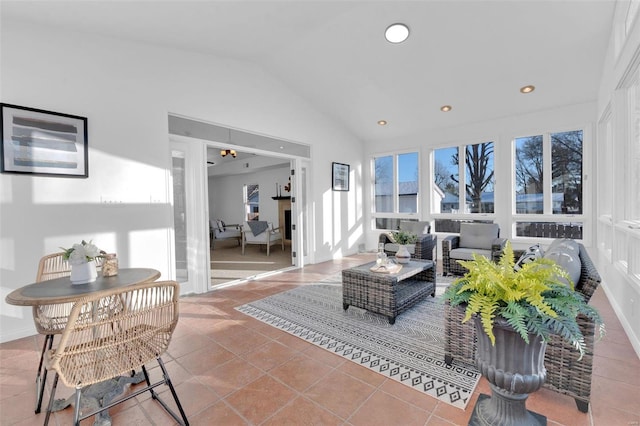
{"x":241,"y":187}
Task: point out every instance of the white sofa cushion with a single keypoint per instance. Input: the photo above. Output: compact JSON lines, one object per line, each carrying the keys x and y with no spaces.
{"x":416,"y":228}
{"x":467,"y":253}
{"x":478,"y":235}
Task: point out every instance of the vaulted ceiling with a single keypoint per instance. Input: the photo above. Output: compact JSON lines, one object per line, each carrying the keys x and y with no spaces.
{"x":474,"y":55}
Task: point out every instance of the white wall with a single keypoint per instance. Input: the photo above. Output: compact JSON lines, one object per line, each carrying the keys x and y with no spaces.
{"x":126,"y":91}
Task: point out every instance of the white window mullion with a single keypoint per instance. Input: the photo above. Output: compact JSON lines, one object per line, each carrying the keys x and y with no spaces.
{"x":547,"y":178}
{"x":462,"y":180}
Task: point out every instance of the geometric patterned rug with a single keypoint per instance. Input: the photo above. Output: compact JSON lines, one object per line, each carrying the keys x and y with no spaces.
{"x":411,"y":351}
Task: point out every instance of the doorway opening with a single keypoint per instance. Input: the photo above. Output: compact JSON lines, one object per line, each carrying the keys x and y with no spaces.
{"x":232,"y":158}
{"x":247,"y":187}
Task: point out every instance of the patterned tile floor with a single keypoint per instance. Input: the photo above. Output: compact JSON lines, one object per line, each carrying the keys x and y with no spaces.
{"x":230,"y":369}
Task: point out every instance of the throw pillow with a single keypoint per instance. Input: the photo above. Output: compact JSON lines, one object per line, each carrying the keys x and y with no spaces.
{"x":532,"y":253}
{"x":567,"y":256}
{"x":220,"y":225}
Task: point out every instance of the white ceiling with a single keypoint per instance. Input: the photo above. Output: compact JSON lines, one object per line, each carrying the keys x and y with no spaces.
{"x":473,"y":55}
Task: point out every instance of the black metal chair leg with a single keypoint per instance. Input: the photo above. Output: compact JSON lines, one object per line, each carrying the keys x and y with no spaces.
{"x":173,"y":391}
{"x":51,"y":398}
{"x":76,"y":407}
{"x":41,"y":375}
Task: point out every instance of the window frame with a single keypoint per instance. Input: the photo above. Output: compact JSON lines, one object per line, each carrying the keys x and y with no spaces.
{"x":461,"y":214}
{"x":584,"y":218}
{"x":395,"y":214}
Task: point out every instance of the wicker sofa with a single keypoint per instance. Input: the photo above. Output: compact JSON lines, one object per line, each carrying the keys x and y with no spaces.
{"x":565,"y":374}
{"x":480,"y":238}
{"x":425,"y":247}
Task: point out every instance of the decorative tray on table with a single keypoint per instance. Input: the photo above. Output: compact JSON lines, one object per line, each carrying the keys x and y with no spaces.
{"x":389,"y":268}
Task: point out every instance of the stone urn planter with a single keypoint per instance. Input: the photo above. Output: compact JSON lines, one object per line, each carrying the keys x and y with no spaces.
{"x":538,"y":298}
{"x":514,"y":369}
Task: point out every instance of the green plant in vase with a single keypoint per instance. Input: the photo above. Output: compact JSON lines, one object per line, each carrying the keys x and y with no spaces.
{"x":516,"y":312}
{"x":402,"y":237}
{"x":535,"y":299}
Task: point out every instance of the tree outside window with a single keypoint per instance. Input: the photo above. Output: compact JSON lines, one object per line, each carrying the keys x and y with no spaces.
{"x":561,"y":194}
{"x":478,"y":179}
{"x":566,"y":171}
{"x":529,"y":175}
{"x":445,"y":177}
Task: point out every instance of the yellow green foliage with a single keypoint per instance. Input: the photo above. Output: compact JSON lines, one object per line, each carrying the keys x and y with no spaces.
{"x":533,"y":299}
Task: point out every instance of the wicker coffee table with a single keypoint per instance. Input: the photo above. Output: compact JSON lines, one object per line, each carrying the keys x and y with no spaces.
{"x":388,"y":294}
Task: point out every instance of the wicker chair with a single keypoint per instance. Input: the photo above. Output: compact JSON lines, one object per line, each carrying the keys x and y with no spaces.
{"x":454,"y":247}
{"x":425,"y":247}
{"x":50,"y":319}
{"x":565,"y":374}
{"x":111,"y":333}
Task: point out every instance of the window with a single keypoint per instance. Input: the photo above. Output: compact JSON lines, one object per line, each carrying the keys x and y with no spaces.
{"x":548,"y":182}
{"x":566,"y":172}
{"x":395,"y":188}
{"x":478,"y":183}
{"x":480,"y":179}
{"x":252,"y":201}
{"x":445,"y":178}
{"x":529,"y":175}
{"x":383,"y":184}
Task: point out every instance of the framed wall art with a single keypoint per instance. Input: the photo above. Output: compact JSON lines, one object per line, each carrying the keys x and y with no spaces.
{"x":40,"y":142}
{"x":340,"y":177}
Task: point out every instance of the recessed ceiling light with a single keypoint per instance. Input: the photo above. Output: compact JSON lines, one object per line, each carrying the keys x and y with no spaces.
{"x":382,"y":122}
{"x":396,"y":33}
{"x":527,"y":89}
{"x":446,"y":108}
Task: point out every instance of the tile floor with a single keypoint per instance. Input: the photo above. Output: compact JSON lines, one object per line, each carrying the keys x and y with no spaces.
{"x":230,"y":369}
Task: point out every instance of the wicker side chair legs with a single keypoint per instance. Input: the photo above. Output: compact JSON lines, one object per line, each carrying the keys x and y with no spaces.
{"x":41,"y":375}
{"x":166,"y":380}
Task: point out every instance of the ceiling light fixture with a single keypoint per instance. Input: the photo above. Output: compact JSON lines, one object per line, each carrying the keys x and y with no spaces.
{"x":226,"y":152}
{"x":382,"y":122}
{"x":527,"y":89}
{"x":446,"y":108}
{"x":396,"y":33}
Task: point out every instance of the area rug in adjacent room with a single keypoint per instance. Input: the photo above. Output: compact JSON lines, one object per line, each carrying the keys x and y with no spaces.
{"x":411,"y":351}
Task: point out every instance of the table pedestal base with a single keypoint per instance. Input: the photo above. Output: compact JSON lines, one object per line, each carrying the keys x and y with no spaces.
{"x":98,"y":395}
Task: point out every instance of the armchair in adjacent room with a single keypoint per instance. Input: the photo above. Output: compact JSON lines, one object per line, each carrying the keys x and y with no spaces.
{"x":479,"y":238}
{"x":425,"y":246}
{"x":222,"y":231}
{"x":262,"y":233}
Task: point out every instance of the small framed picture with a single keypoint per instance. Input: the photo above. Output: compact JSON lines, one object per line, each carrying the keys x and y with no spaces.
{"x":43,"y":142}
{"x":340,"y":177}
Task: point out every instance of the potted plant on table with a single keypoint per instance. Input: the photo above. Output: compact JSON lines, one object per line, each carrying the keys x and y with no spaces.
{"x":82,"y":258}
{"x":515,"y":313}
{"x":402,"y":238}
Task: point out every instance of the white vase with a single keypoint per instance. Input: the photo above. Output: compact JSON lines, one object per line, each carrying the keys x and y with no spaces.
{"x":83,"y":273}
{"x":403,"y":255}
